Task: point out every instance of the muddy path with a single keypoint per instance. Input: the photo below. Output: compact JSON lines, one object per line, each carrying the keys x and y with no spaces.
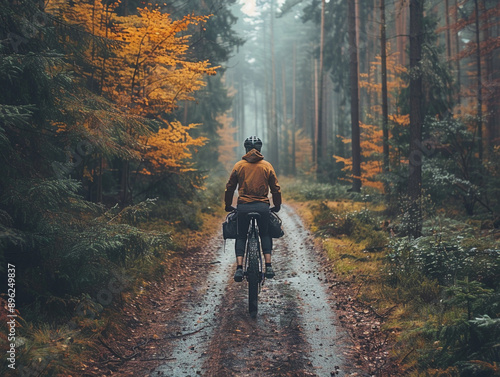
{"x":296,"y":331}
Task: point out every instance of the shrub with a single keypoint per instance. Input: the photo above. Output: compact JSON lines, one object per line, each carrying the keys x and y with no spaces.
{"x":361,"y":226}
{"x":459,"y":282}
{"x":299,"y":190}
{"x":444,"y":260}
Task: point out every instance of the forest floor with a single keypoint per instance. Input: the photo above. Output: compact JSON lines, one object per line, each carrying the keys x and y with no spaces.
{"x":196,"y":322}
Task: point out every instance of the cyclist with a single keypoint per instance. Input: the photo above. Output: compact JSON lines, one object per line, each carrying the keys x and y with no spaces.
{"x":254,"y":178}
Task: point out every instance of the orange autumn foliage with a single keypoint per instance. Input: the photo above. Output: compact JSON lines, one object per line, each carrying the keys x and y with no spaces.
{"x":169,"y":149}
{"x":371,"y":151}
{"x":152,"y":69}
{"x":371,"y":135}
{"x":303,"y":152}
{"x":140,"y":63}
{"x":371,"y":80}
{"x":228,"y":143}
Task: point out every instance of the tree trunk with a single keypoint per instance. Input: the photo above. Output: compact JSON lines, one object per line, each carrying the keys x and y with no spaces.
{"x":353,"y":79}
{"x":457,"y":47}
{"x":416,"y":118}
{"x":241,"y":100}
{"x":294,"y":127}
{"x":320,"y":137}
{"x":124,"y":192}
{"x":267,"y":125}
{"x":316,"y":116}
{"x":492,"y":96}
{"x":385,"y":110}
{"x":99,"y":180}
{"x":479,"y":86}
{"x":448,"y":32}
{"x":401,"y":30}
{"x":286,"y":156}
{"x":256,"y":110}
{"x":274,"y":116}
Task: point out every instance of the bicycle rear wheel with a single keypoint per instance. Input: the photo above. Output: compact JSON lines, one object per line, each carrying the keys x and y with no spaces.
{"x":253,"y":275}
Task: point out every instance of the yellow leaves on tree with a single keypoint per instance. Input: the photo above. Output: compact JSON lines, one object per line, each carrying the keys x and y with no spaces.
{"x":400,"y":120}
{"x":139,"y":61}
{"x":371,"y":150}
{"x":170,"y":149}
{"x":303,"y":152}
{"x":395,"y":83}
{"x":228,"y":143}
{"x":371,"y":135}
{"x":152,"y":69}
{"x":140,"y":64}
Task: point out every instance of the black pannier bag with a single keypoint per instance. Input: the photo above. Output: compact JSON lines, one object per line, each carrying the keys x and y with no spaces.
{"x":275,"y":229}
{"x":230,"y":226}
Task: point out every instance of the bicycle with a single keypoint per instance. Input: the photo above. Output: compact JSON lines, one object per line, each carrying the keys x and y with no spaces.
{"x":253,"y":264}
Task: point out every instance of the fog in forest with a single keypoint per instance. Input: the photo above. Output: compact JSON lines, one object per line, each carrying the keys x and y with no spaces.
{"x":121,"y":121}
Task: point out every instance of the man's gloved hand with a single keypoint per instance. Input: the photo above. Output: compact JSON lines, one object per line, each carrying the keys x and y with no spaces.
{"x":275,"y":209}
{"x":229,"y":208}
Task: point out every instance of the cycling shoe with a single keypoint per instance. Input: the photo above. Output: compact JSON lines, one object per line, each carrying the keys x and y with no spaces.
{"x":238,"y":275}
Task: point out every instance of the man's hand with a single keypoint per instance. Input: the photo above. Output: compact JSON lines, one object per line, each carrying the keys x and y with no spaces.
{"x":275,"y":209}
{"x":230,"y":208}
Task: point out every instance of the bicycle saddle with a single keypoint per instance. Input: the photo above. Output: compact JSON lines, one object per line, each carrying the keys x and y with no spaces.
{"x":255,"y":215}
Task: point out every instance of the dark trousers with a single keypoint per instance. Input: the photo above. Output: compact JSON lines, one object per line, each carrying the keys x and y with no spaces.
{"x":244,"y":222}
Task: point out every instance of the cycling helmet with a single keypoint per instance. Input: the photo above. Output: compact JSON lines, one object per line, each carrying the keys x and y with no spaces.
{"x":253,"y":142}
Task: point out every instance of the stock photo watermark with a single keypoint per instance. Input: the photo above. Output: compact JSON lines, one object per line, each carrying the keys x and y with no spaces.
{"x":11,"y":316}
{"x":426,"y":148}
{"x":29,"y":29}
{"x":87,"y":309}
{"x":75,"y":157}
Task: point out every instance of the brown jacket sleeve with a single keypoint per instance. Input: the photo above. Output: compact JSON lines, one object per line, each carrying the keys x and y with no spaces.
{"x":230,"y":188}
{"x":275,"y":188}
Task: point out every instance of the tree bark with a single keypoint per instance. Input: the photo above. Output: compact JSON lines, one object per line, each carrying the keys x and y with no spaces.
{"x":448,"y":32}
{"x":274,"y":116}
{"x":457,"y":48}
{"x":385,"y":110}
{"x":316,"y":116}
{"x":353,"y":79}
{"x":320,"y":137}
{"x":492,"y":96}
{"x":241,"y":100}
{"x":286,"y":160}
{"x":401,"y":30}
{"x":124,"y":185}
{"x":416,"y":118}
{"x":479,"y":86}
{"x":294,"y":127}
{"x":99,"y":180}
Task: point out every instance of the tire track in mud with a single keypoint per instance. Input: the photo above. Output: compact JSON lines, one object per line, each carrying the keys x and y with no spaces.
{"x":193,"y":329}
{"x":295,"y":331}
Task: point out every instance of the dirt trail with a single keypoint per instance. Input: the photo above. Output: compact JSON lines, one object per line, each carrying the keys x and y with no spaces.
{"x":294,"y":334}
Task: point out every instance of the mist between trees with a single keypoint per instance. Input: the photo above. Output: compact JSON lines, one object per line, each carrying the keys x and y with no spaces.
{"x":119,"y":116}
{"x":349,"y":90}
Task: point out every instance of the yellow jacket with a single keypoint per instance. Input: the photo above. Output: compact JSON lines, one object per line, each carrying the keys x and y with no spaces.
{"x":254,"y":177}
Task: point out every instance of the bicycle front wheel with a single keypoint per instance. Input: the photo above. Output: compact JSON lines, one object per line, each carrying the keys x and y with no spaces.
{"x":253,"y":276}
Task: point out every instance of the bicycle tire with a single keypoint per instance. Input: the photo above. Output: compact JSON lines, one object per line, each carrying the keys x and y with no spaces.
{"x":253,"y":275}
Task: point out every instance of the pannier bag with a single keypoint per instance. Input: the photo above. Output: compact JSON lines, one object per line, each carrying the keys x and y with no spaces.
{"x":275,"y":229}
{"x":230,"y":226}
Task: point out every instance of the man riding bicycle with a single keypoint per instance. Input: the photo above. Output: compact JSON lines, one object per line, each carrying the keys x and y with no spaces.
{"x":254,"y":178}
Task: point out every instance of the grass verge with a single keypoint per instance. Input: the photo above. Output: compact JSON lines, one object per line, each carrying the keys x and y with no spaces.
{"x":434,"y":301}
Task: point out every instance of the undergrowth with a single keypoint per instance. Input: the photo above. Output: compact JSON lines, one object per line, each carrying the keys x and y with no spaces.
{"x":81,"y":273}
{"x":443,"y":288}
